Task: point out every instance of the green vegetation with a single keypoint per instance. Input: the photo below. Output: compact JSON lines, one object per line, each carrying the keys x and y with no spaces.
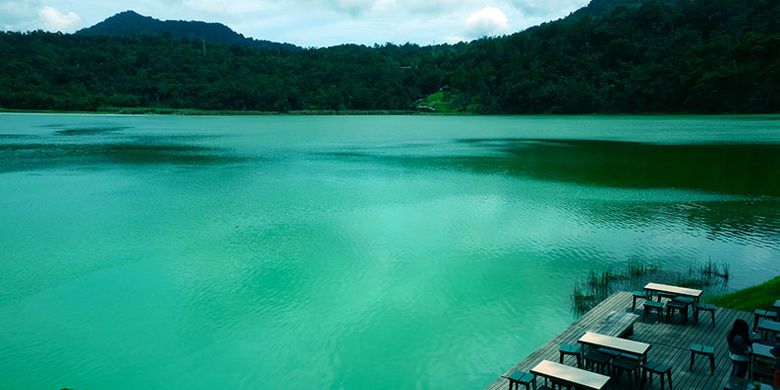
{"x":751,"y":298}
{"x":438,"y":102}
{"x":614,"y":56}
{"x":598,"y":286}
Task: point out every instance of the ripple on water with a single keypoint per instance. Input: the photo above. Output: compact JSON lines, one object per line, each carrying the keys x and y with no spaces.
{"x":267,"y":252}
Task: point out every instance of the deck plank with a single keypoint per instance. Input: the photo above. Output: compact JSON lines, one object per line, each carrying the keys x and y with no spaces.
{"x":669,"y":342}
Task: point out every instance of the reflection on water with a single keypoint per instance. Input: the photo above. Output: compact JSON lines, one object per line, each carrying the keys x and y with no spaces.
{"x":34,"y":155}
{"x":742,"y":169}
{"x":733,"y":169}
{"x":354,"y":252}
{"x":749,"y":170}
{"x":90,"y":130}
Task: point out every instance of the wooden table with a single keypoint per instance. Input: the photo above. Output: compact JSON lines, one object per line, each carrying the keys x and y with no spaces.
{"x":679,"y":291}
{"x":618,"y":344}
{"x":570,"y":375}
{"x":683,"y":291}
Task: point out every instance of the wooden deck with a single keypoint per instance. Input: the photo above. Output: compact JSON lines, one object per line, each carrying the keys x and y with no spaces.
{"x":669,"y":344}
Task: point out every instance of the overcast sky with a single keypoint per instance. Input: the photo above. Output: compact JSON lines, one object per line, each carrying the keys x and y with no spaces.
{"x":307,"y":22}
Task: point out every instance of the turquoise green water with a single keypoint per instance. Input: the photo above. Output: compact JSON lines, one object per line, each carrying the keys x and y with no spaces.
{"x":348,"y":252}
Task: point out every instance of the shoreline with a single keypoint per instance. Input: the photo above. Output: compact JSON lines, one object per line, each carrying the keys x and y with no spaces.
{"x":140,"y":111}
{"x":199,"y":112}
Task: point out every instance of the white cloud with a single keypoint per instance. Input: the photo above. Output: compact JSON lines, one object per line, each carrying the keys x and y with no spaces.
{"x":488,"y":21}
{"x":307,"y":22}
{"x":17,"y":15}
{"x":213,"y":6}
{"x":54,"y":20}
{"x":547,"y":8}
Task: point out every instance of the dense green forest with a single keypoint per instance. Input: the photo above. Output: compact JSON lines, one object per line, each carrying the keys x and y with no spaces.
{"x":703,"y":56}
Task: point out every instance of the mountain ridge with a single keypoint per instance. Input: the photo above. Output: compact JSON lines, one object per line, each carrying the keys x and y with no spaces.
{"x":130,"y":23}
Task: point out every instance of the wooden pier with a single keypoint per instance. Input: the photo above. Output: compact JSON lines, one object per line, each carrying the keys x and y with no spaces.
{"x":670,"y":342}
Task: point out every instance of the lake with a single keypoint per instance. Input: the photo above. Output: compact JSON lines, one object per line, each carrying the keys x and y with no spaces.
{"x":286,"y":252}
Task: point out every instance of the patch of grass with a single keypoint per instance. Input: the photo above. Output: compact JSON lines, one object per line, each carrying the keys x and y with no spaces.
{"x":761,"y":296}
{"x":441,"y":102}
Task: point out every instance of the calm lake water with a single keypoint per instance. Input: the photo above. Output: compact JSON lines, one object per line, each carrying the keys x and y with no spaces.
{"x":349,"y":252}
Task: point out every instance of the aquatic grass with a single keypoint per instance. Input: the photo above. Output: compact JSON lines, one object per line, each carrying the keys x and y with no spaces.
{"x":597,"y":286}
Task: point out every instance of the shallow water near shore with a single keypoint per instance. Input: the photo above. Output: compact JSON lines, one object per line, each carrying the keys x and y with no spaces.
{"x":349,"y":252}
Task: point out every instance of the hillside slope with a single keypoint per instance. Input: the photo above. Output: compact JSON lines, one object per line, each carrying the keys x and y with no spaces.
{"x":672,"y":56}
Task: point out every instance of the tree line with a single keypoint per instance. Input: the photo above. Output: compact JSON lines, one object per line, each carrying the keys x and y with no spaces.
{"x":697,"y":56}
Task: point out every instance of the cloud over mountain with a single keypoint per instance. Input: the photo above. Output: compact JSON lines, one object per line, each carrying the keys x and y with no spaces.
{"x":54,"y":20}
{"x":487,"y":22}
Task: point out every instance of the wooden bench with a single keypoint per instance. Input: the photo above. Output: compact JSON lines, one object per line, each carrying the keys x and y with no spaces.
{"x":650,"y":306}
{"x":706,"y":307}
{"x":572,"y":350}
{"x":767,"y":327}
{"x":680,"y":307}
{"x":704,"y":350}
{"x":762,"y":362}
{"x":758,"y":314}
{"x":663,"y":371}
{"x":518,"y":378}
{"x":570,"y":376}
{"x":639,"y":295}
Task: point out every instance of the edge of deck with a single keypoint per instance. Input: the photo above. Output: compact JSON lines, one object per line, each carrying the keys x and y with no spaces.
{"x":670,"y":342}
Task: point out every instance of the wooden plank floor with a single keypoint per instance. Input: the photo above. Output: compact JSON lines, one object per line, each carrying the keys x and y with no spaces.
{"x":669,"y":344}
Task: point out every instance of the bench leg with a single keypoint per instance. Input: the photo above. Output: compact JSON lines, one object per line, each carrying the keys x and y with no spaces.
{"x":692,"y":354}
{"x":712,"y":364}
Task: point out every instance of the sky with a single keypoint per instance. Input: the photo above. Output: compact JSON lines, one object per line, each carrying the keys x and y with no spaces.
{"x":307,"y":23}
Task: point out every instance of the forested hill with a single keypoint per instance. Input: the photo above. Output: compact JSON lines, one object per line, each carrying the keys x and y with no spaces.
{"x":130,"y":23}
{"x":604,"y":7}
{"x":614,"y":56}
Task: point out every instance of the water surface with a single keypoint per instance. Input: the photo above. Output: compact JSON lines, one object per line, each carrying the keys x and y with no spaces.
{"x":348,"y":252}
